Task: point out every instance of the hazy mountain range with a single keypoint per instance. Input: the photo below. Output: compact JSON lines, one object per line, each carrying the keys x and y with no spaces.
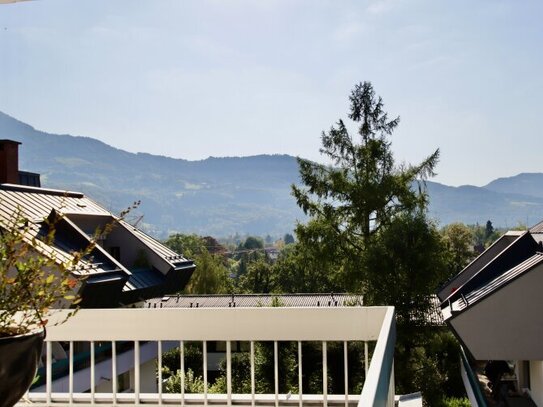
{"x":224,"y":196}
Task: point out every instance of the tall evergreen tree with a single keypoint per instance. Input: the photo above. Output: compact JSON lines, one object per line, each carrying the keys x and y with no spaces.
{"x":363,"y":189}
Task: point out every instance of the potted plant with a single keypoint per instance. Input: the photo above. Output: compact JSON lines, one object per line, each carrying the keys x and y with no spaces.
{"x":33,"y":281}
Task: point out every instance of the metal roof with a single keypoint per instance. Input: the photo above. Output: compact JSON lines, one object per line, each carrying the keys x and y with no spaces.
{"x":36,"y":204}
{"x":154,"y":244}
{"x":142,"y":278}
{"x":498,"y":282}
{"x":537,"y":228}
{"x":255,"y":300}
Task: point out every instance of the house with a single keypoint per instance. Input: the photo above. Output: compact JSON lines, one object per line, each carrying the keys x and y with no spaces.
{"x":493,"y":306}
{"x":126,"y":267}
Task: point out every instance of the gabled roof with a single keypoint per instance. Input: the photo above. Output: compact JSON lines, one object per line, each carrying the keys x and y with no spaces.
{"x":497,"y":283}
{"x":508,"y":256}
{"x":477,"y":264}
{"x":108,"y":281}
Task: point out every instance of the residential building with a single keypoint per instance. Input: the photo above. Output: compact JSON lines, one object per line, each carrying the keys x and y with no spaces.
{"x":494,"y":308}
{"x":126,"y":267}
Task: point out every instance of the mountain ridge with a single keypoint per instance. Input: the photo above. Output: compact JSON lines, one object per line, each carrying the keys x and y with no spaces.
{"x":223,"y":196}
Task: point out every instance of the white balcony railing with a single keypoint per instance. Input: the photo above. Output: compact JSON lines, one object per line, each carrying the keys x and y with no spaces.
{"x":146,"y":333}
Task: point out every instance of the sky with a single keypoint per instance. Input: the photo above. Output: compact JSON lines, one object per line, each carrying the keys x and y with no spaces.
{"x":197,"y":78}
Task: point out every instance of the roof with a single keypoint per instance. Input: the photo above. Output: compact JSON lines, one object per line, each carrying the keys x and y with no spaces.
{"x":255,"y":300}
{"x":537,"y":228}
{"x":37,"y":203}
{"x":497,"y":283}
{"x":154,"y":244}
{"x":73,"y":233}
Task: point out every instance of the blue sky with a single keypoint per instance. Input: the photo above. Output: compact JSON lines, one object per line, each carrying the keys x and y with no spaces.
{"x":192,"y":79}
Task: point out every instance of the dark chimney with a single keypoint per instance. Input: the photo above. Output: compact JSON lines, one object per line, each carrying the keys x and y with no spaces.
{"x":9,"y":162}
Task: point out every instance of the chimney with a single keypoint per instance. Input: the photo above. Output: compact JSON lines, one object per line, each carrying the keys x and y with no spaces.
{"x":9,"y":162}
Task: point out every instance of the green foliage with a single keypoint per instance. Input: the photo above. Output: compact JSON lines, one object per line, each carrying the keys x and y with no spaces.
{"x":369,"y":232}
{"x":193,"y":383}
{"x":288,"y":238}
{"x":484,"y":236}
{"x":299,"y":269}
{"x":363,"y":189}
{"x":456,"y":402}
{"x":193,"y":359}
{"x":211,"y":275}
{"x":257,"y":278}
{"x":459,"y":240}
{"x":252,"y":243}
{"x":405,"y":264}
{"x":188,"y":245}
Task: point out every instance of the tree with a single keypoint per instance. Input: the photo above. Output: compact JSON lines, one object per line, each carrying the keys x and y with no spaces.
{"x":211,"y":275}
{"x":288,"y":238}
{"x":408,"y":260}
{"x":363,"y":190}
{"x":459,"y":242}
{"x":188,"y":245}
{"x":298,"y":269}
{"x":257,"y":279}
{"x":489,"y":229}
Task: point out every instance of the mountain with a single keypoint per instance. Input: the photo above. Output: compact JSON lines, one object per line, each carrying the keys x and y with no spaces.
{"x":224,"y":196}
{"x":525,"y":183}
{"x":470,"y":204}
{"x":216,"y":196}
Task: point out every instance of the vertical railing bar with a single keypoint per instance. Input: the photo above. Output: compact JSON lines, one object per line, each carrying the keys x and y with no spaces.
{"x":48,"y":371}
{"x":92,"y":371}
{"x":366,"y":364}
{"x":159,"y":361}
{"x":324,"y":374}
{"x":137,"y":372}
{"x":252,"y":374}
{"x":229,"y":372}
{"x":182,"y":357}
{"x":300,"y":390}
{"x":114,"y":383}
{"x":346,"y":370}
{"x":276,"y":371}
{"x":71,"y":372}
{"x":204,"y":351}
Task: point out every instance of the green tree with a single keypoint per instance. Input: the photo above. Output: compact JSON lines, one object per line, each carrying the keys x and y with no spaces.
{"x":408,"y":262}
{"x":299,"y":269}
{"x":257,"y":279}
{"x":188,"y":245}
{"x":363,"y":190}
{"x":459,"y":241}
{"x":211,"y":275}
{"x":489,"y":229}
{"x":288,"y":238}
{"x":252,"y":243}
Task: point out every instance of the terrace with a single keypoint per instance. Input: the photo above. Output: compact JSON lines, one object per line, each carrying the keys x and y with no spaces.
{"x":152,"y":331}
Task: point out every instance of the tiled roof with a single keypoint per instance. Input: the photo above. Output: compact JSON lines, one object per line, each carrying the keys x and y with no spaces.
{"x":255,"y":300}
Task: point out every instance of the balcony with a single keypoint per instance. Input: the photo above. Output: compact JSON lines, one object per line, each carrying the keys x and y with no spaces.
{"x":130,"y":343}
